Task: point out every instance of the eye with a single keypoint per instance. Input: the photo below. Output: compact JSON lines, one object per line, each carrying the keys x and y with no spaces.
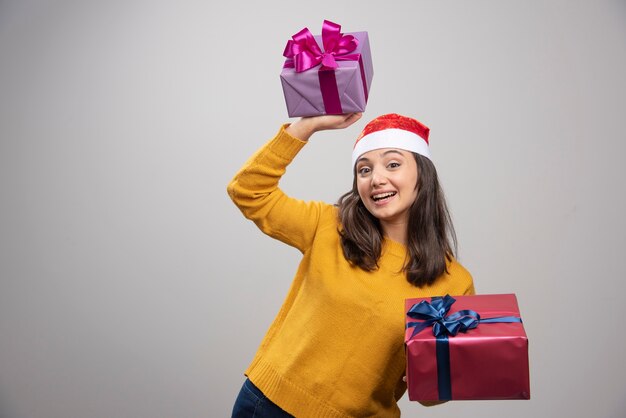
{"x":363,"y":171}
{"x":393,"y":164}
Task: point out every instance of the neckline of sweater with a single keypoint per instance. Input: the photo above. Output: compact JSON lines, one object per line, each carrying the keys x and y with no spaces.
{"x":394,"y":247}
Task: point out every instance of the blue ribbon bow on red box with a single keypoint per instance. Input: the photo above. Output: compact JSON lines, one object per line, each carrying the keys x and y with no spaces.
{"x":435,"y":314}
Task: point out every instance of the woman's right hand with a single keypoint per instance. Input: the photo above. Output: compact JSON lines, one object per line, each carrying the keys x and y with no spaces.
{"x":305,"y":127}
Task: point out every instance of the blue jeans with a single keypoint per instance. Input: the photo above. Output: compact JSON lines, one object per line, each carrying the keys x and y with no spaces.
{"x":251,"y":403}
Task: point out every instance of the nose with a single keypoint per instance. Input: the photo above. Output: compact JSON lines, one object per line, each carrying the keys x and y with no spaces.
{"x":378,"y":179}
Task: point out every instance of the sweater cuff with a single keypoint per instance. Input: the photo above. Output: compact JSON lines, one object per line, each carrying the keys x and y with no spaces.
{"x":285,"y":145}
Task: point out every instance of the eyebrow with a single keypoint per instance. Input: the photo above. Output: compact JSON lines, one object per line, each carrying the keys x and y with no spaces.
{"x":394,"y":151}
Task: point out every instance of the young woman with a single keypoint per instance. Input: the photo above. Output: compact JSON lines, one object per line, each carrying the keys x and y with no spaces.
{"x":336,"y":347}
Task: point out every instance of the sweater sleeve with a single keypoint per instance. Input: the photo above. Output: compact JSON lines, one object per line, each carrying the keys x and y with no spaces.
{"x":255,"y":191}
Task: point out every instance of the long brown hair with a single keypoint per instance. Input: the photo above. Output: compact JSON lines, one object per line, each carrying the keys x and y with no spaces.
{"x":431,"y":239}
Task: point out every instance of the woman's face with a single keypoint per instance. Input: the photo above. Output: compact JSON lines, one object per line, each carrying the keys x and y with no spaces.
{"x":387,"y":184}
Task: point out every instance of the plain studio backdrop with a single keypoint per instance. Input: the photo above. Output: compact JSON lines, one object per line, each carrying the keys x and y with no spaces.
{"x":130,"y":285}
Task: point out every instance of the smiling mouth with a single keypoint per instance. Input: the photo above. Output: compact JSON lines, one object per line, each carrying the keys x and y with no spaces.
{"x":383,"y":196}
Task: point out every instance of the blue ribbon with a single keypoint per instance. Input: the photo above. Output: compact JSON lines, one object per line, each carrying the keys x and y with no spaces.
{"x":435,"y":314}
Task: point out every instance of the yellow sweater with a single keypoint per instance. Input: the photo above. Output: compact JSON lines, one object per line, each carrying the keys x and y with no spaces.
{"x":336,"y":347}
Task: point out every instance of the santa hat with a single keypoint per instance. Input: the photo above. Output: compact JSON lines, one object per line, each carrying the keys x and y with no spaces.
{"x":392,"y":131}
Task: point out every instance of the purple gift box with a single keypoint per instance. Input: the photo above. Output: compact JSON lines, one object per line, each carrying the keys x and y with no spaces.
{"x":328,"y":74}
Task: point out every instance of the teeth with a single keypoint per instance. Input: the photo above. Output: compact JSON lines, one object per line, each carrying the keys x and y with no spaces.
{"x":383,"y":195}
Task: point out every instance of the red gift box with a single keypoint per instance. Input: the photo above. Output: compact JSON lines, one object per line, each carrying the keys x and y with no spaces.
{"x":466,"y":348}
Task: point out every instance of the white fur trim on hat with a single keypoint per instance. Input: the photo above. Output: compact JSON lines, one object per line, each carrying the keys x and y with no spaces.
{"x":390,"y":138}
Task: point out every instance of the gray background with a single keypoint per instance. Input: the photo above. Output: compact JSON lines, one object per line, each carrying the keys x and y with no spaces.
{"x":130,"y":286}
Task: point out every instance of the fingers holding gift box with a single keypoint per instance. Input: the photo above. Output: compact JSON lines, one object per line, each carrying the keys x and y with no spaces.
{"x":327,"y":74}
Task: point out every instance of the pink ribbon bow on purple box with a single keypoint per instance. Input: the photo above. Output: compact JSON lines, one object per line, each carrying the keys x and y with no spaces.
{"x":342,"y":81}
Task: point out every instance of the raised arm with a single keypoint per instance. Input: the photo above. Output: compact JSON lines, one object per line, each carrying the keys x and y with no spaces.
{"x":255,"y":191}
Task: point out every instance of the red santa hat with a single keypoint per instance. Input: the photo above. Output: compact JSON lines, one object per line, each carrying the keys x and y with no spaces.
{"x":392,"y":131}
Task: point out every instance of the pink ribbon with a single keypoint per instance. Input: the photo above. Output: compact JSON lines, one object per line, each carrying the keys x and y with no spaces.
{"x":305,"y":53}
